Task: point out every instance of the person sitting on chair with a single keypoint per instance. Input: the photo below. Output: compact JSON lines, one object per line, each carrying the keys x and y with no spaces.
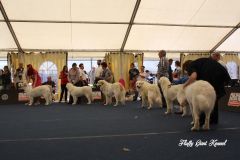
{"x":51,"y":83}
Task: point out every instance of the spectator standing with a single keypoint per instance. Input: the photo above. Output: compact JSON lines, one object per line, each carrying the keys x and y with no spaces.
{"x":170,"y":71}
{"x":163,"y":68}
{"x":133,"y":75}
{"x":19,"y":75}
{"x":98,"y":71}
{"x":162,"y":65}
{"x":83,"y":75}
{"x":73,"y":77}
{"x":64,"y":80}
{"x":6,"y":78}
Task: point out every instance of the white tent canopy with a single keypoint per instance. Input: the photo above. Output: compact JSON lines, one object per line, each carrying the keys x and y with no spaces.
{"x":121,"y":25}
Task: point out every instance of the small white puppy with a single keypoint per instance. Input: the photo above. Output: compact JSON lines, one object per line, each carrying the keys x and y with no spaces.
{"x":80,"y":91}
{"x":172,"y":92}
{"x":150,"y":94}
{"x":44,"y":90}
{"x":112,"y":90}
{"x":201,"y":97}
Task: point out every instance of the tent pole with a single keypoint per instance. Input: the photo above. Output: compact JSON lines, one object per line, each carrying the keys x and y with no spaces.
{"x":225,"y":38}
{"x":130,"y":24}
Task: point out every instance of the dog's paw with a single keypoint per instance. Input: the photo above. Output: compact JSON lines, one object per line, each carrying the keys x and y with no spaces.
{"x":183,"y":115}
{"x":105,"y":104}
{"x":149,"y":108}
{"x":205,"y":127}
{"x":115,"y":105}
{"x":73,"y":104}
{"x":192,"y":123}
{"x":166,"y":113}
{"x":195,"y":128}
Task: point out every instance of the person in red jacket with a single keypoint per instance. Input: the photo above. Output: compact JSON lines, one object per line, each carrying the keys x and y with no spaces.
{"x":64,"y":80}
{"x":32,"y":75}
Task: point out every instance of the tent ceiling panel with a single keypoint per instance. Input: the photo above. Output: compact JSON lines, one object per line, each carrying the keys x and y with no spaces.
{"x":102,"y":10}
{"x":6,"y":40}
{"x":37,"y":9}
{"x":232,"y":43}
{"x":43,"y":35}
{"x":197,"y":12}
{"x":97,"y":36}
{"x":174,"y":38}
{"x":74,"y":10}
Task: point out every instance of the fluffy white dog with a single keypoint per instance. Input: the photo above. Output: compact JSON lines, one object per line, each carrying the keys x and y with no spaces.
{"x":112,"y":90}
{"x":172,"y":92}
{"x":80,"y":91}
{"x":201,"y":97}
{"x":44,"y":90}
{"x":150,"y":94}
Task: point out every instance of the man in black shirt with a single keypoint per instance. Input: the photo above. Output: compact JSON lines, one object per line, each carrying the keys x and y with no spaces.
{"x":170,"y":71}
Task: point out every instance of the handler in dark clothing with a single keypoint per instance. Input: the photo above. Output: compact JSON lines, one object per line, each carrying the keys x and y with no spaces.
{"x":213,"y":72}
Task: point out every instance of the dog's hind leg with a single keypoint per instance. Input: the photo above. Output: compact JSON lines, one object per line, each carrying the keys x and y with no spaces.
{"x":207,"y":119}
{"x":117,"y":97}
{"x":107,"y":100}
{"x":46,"y":97}
{"x":196,"y":125}
{"x":123,"y":99}
{"x":150,"y":101}
{"x":89,"y":99}
{"x":169,"y":106}
{"x":30,"y":101}
{"x":74,"y":100}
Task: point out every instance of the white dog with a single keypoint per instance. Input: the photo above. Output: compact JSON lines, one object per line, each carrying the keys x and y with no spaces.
{"x":150,"y":93}
{"x":80,"y":91}
{"x":112,"y":90}
{"x":44,"y":90}
{"x":201,"y":97}
{"x":172,"y":92}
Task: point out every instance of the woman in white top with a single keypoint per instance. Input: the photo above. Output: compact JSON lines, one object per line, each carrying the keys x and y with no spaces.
{"x":142,"y":74}
{"x":177,"y":71}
